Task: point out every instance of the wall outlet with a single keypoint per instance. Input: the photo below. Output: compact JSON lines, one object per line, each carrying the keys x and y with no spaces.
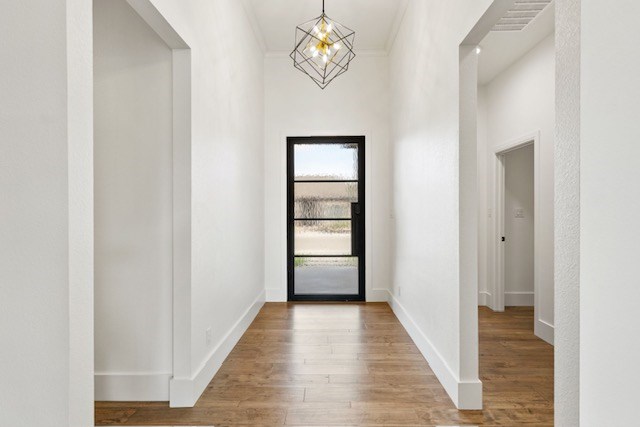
{"x":208,"y":336}
{"x":518,"y":213}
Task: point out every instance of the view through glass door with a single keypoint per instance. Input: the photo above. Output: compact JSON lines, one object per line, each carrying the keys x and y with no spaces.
{"x":325,"y":218}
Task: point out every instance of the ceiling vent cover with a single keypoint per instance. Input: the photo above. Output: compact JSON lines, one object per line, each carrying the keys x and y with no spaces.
{"x":521,"y":14}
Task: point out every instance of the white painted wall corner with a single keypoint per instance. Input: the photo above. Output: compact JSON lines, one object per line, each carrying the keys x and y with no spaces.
{"x":185,"y":392}
{"x":466,"y":395}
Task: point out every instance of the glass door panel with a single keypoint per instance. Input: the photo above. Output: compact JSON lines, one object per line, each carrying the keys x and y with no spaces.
{"x":322,"y":238}
{"x":324,"y":199}
{"x":326,"y":276}
{"x":326,"y":161}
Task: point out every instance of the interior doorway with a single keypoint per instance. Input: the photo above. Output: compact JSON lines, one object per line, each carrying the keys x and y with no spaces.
{"x":516,"y":206}
{"x":142,"y":152}
{"x":507,"y":89}
{"x":326,"y":218}
{"x":515,"y":87}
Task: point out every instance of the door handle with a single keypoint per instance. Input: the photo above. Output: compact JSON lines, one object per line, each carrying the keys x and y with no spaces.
{"x":355,"y":212}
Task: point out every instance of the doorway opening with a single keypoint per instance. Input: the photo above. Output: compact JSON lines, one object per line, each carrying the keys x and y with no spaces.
{"x":142,"y":157}
{"x":507,"y":89}
{"x":326,"y":218}
{"x":517,"y":200}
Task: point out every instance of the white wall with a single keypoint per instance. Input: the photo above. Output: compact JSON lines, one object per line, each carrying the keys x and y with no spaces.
{"x":133,"y":206}
{"x":425,"y":62}
{"x":46,"y":313}
{"x":226,"y":85}
{"x":227,"y":222}
{"x":519,"y":226}
{"x":356,"y":103}
{"x":609,"y":210}
{"x":567,"y":214}
{"x":519,"y":101}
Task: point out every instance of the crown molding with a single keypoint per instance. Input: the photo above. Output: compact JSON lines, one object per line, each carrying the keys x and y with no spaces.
{"x":360,"y":53}
{"x":258,"y":34}
{"x":397,"y":23}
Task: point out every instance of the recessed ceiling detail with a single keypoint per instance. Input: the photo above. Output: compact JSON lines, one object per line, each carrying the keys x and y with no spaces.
{"x":521,"y":15}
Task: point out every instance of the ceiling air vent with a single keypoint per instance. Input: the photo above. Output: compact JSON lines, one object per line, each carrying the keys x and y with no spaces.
{"x":520,"y":15}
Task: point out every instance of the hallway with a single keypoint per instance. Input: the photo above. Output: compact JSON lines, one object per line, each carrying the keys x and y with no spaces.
{"x":331,"y":364}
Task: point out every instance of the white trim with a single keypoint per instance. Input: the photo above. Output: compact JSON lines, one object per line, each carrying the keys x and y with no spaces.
{"x":544,"y":330}
{"x":483,"y":298}
{"x":519,"y":299}
{"x":132,"y":387}
{"x":373,"y":295}
{"x":466,"y":395}
{"x":185,"y":392}
{"x":378,"y":295}
{"x":497,"y":304}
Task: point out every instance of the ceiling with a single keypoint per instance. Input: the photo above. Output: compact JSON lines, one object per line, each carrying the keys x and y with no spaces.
{"x":374,"y":21}
{"x":501,"y":49}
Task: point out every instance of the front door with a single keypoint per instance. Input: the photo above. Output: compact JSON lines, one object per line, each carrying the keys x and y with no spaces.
{"x":325,"y":218}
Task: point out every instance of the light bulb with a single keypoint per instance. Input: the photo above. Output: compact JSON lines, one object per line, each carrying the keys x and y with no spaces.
{"x":315,"y":53}
{"x":325,"y":58}
{"x":329,"y":28}
{"x":316,"y":29}
{"x":313,"y":48}
{"x":336,"y":46}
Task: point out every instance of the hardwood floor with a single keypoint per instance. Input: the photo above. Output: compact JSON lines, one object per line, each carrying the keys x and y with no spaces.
{"x":332,"y":364}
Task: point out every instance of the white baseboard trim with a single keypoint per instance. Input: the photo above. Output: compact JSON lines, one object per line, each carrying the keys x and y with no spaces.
{"x":373,"y":295}
{"x":185,"y":392}
{"x":276,"y":295}
{"x":484,"y":298}
{"x":519,"y":299}
{"x":466,"y":395}
{"x":544,"y":331}
{"x":378,"y":295}
{"x":117,"y":387}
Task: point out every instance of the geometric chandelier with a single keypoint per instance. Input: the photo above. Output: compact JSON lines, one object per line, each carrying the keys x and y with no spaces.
{"x":323,"y":49}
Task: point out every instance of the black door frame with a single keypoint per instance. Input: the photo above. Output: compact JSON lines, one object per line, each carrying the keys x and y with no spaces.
{"x":360,"y":222}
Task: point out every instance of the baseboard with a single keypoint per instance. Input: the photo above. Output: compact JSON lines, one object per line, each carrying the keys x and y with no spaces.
{"x":276,"y":295}
{"x":185,"y":392}
{"x":373,"y":295}
{"x":378,"y":295}
{"x":519,"y":299}
{"x":484,"y":298}
{"x":466,"y":395}
{"x":544,"y":331}
{"x":152,"y":387}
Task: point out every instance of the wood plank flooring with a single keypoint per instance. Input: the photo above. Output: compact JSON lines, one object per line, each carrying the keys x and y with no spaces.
{"x":336,"y":364}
